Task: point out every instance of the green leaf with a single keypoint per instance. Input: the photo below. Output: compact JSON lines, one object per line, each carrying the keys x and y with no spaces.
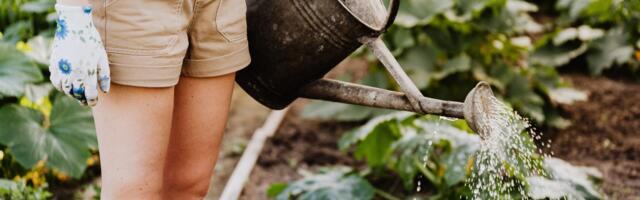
{"x":556,"y":55}
{"x":16,"y":71}
{"x":354,"y":136}
{"x":566,"y":95}
{"x":577,"y":177}
{"x":339,"y":111}
{"x":18,"y":31}
{"x":276,"y":189}
{"x":542,"y":188}
{"x":419,"y":63}
{"x":611,"y":49}
{"x":463,"y":146}
{"x":64,"y":144}
{"x":37,"y":92}
{"x":40,"y":50}
{"x":402,"y":38}
{"x":37,"y":6}
{"x":332,"y":184}
{"x":420,"y":12}
{"x":375,"y":148}
{"x":410,"y":149}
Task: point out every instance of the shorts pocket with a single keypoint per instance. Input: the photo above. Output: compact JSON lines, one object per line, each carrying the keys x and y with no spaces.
{"x":139,"y":27}
{"x":231,"y":19}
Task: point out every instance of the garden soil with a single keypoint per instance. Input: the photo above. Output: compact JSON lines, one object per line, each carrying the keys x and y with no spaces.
{"x":605,"y":134}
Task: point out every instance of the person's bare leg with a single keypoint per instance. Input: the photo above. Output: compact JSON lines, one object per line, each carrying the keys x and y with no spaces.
{"x":133,"y":126}
{"x":200,"y":115}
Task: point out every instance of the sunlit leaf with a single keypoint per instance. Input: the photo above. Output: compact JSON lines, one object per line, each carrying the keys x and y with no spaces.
{"x":577,"y":177}
{"x":330,"y":184}
{"x":63,"y":140}
{"x":611,"y":49}
{"x":16,"y":71}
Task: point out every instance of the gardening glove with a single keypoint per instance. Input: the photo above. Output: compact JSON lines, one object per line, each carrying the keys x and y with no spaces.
{"x":78,"y":62}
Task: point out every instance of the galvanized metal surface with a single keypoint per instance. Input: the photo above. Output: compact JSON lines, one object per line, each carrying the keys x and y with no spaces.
{"x":295,"y":42}
{"x":339,"y":91}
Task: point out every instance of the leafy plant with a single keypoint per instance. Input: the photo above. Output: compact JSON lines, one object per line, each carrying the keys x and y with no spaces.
{"x":20,"y":190}
{"x":600,"y":32}
{"x":45,"y":137}
{"x":62,"y":139}
{"x":23,"y":19}
{"x":339,"y":183}
{"x":438,"y":156}
{"x":446,"y":47}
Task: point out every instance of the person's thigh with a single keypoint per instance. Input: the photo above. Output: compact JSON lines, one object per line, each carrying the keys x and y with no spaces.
{"x":200,"y":115}
{"x":133,"y":126}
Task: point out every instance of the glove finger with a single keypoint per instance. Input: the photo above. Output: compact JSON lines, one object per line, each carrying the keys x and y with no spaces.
{"x":91,"y":90}
{"x":66,"y":86}
{"x":104,"y":74}
{"x":78,"y":91}
{"x":55,"y":81}
{"x":55,"y":74}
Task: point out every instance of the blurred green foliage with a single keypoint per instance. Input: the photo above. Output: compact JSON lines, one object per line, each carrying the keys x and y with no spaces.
{"x":434,"y":159}
{"x":446,"y":47}
{"x":45,"y":136}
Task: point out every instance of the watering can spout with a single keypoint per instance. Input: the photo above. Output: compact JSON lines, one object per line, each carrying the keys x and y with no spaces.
{"x":345,"y":92}
{"x":475,"y":109}
{"x":478,"y":108}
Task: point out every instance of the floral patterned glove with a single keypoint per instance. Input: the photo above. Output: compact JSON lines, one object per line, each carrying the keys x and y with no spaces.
{"x":78,"y":59}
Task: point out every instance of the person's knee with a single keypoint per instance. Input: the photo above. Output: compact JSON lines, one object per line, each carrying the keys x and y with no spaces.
{"x":193,"y":184}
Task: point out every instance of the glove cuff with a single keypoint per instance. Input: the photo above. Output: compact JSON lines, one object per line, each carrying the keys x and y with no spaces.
{"x":67,"y":9}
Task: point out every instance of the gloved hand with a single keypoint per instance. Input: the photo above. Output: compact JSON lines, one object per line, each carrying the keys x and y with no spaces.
{"x":78,"y":60}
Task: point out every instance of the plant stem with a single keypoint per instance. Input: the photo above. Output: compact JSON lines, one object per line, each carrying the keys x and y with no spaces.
{"x":385,"y":195}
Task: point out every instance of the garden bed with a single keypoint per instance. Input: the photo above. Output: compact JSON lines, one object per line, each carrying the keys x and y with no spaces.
{"x":604,"y":135}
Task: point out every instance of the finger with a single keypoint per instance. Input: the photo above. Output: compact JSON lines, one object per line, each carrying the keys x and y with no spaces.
{"x":104,"y":74}
{"x":66,"y":86}
{"x":78,"y":91}
{"x":55,"y":75}
{"x":91,"y":90}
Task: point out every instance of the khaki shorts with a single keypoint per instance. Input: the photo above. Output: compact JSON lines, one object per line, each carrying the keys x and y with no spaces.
{"x":150,"y":43}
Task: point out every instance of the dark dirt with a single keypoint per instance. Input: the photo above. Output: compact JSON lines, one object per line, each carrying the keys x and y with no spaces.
{"x":298,"y":145}
{"x":605,"y":133}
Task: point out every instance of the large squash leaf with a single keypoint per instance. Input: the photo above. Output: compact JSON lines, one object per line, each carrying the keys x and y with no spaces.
{"x":611,"y":49}
{"x":63,"y":140}
{"x":330,"y":184}
{"x":16,"y":71}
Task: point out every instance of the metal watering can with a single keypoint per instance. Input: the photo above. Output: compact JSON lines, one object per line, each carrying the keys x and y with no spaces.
{"x":294,"y":43}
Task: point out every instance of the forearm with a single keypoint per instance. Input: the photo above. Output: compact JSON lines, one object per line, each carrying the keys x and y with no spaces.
{"x":74,"y":2}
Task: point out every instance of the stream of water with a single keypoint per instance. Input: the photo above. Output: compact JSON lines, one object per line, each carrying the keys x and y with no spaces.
{"x":507,"y":151}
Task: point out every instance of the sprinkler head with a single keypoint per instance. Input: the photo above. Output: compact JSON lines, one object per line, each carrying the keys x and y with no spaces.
{"x":478,"y":108}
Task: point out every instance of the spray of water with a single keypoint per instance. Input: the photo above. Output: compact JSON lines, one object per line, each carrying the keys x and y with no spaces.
{"x":507,"y":154}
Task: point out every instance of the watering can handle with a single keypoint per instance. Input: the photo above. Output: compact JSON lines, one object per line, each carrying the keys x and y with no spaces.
{"x":394,"y":6}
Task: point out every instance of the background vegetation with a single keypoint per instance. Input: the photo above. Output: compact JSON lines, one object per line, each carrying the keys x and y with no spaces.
{"x":47,"y":140}
{"x":446,"y":47}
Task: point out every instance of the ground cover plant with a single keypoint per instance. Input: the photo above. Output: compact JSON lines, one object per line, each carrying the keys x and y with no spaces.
{"x":516,"y":46}
{"x":46,"y":138}
{"x":434,"y":158}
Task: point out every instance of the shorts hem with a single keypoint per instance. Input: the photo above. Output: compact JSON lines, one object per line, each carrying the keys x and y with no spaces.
{"x":217,"y":66}
{"x":151,"y":77}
